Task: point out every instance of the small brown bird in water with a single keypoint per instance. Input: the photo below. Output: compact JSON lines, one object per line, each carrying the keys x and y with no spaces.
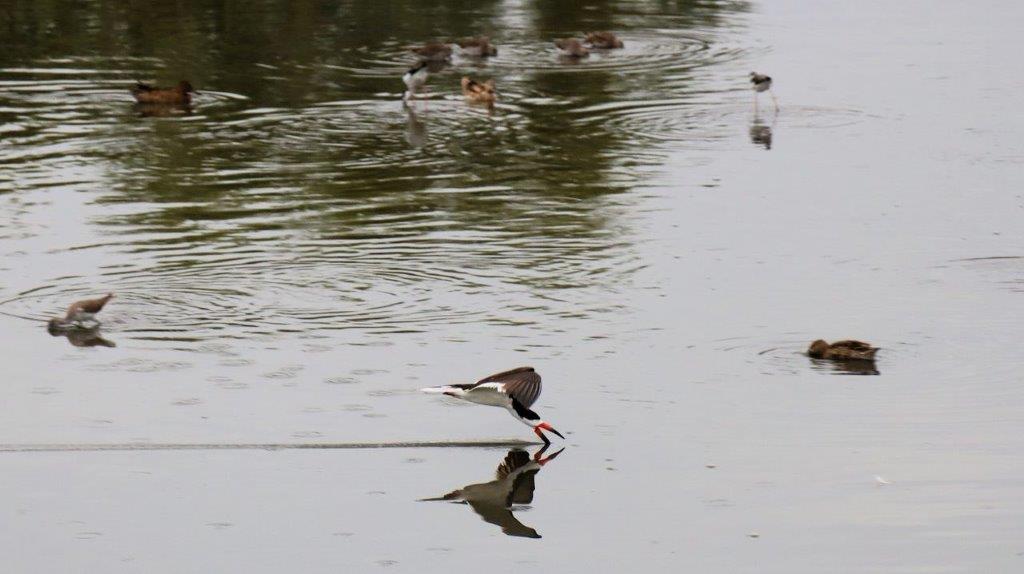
{"x":842,"y":351}
{"x":180,"y":94}
{"x":432,"y":52}
{"x":762,"y":83}
{"x":479,"y":92}
{"x":604,"y":40}
{"x":79,"y":312}
{"x":572,"y":48}
{"x":477,"y":46}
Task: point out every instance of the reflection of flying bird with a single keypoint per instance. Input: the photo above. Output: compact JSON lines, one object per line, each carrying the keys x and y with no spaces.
{"x":79,"y":312}
{"x":515,"y":390}
{"x":762,"y":83}
{"x":513,"y":484}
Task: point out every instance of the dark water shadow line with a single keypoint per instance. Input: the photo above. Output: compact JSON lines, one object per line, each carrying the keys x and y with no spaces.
{"x":503,"y":443}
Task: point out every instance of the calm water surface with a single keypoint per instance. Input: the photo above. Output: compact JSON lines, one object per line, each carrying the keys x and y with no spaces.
{"x":298,"y":253}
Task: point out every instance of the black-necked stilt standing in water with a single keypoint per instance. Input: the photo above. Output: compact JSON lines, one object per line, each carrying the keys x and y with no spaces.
{"x":762,"y":83}
{"x":514,"y":390}
{"x":415,"y":79}
{"x":79,"y":314}
{"x":513,"y":484}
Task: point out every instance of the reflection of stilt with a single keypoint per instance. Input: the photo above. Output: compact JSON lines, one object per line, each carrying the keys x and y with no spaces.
{"x":84,"y":337}
{"x":415,"y":128}
{"x":761,"y":134}
{"x":513,"y":485}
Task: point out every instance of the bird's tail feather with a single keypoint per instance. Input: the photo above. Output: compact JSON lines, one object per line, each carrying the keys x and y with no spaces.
{"x":440,"y":390}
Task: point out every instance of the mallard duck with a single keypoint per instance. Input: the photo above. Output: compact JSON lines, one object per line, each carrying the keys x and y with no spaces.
{"x":432,"y":52}
{"x":477,"y":46}
{"x":78,"y":313}
{"x":572,"y":48}
{"x":842,"y":351}
{"x":180,"y":94}
{"x":603,"y":40}
{"x":479,"y":92}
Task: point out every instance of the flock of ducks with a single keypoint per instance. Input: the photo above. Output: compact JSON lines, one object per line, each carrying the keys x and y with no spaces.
{"x":432,"y":57}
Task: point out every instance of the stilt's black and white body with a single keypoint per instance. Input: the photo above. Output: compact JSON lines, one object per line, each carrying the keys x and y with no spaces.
{"x":762,"y":83}
{"x":415,"y":79}
{"x":514,"y":390}
{"x":513,"y":485}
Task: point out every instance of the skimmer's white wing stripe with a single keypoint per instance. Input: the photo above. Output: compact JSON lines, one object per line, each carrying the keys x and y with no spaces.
{"x":523,"y":384}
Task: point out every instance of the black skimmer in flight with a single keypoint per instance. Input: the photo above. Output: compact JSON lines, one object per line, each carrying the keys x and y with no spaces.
{"x":515,"y":390}
{"x":513,"y":484}
{"x":762,"y":83}
{"x":79,"y":314}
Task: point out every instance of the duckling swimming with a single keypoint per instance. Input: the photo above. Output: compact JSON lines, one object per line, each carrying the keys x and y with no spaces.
{"x":478,"y":46}
{"x":604,"y":40}
{"x":572,"y":48}
{"x":848,"y":350}
{"x":180,"y":94}
{"x":79,"y":313}
{"x":479,"y":92}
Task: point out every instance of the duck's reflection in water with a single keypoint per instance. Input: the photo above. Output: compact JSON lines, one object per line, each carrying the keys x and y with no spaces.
{"x":162,"y":110}
{"x":513,"y":485}
{"x":82,"y":337}
{"x":851,"y":367}
{"x":761,"y":133}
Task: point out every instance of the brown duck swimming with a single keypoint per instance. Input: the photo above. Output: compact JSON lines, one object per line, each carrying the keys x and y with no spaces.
{"x":842,"y":351}
{"x":477,"y":46}
{"x":572,"y":48}
{"x":432,"y":52}
{"x":604,"y":40}
{"x":79,"y":312}
{"x":479,"y":92}
{"x":180,"y":94}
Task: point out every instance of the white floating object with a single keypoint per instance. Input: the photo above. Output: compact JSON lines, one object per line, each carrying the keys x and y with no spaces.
{"x":881,"y":481}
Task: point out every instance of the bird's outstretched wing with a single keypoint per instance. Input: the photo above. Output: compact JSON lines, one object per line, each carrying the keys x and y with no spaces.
{"x":522,"y":384}
{"x":515,"y":459}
